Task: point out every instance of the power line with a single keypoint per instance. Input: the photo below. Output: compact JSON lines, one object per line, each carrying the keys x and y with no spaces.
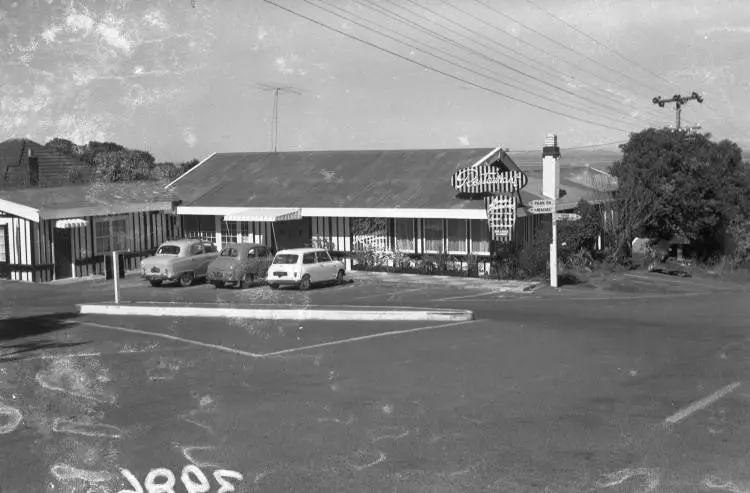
{"x":442,"y":72}
{"x":607,"y":94}
{"x":598,"y":42}
{"x":591,"y":146}
{"x":538,"y":67}
{"x":593,"y":60}
{"x":504,"y":82}
{"x":678,"y":101}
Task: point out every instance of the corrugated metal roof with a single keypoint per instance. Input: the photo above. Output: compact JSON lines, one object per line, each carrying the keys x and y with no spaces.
{"x":87,"y":196}
{"x":367,"y":179}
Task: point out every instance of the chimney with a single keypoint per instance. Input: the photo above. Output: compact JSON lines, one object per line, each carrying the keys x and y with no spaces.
{"x":550,"y":168}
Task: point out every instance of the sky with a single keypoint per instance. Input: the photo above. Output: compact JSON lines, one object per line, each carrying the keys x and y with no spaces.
{"x":185,"y":78}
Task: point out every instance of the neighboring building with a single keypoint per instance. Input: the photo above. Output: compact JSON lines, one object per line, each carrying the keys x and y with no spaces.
{"x":56,"y":233}
{"x":347,"y":200}
{"x":24,"y":163}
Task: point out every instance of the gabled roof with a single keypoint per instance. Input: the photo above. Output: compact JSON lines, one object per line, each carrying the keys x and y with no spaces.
{"x":86,"y":200}
{"x":53,"y":165}
{"x":417,"y":179}
{"x":579,"y":182}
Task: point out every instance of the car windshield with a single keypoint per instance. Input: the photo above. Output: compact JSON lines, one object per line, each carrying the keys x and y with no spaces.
{"x":229,"y":252}
{"x":286,"y":258}
{"x":168,"y":250}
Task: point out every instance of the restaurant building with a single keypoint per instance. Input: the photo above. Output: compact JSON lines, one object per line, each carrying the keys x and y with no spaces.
{"x":385,"y":200}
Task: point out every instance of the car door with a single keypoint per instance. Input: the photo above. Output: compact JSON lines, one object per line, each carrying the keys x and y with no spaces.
{"x":264,"y":259}
{"x":326,"y":266}
{"x":198,"y":259}
{"x":310,"y":266}
{"x":250,"y":261}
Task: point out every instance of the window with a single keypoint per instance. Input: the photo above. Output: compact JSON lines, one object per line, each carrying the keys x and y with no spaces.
{"x":323,"y":256}
{"x":210,"y":248}
{"x":286,"y":259}
{"x":480,"y":237}
{"x":261,"y":252}
{"x":110,"y":234}
{"x":308,"y":258}
{"x":405,"y":235}
{"x":196,"y":249}
{"x":229,"y":233}
{"x":168,"y":250}
{"x":228,"y":252}
{"x":457,"y":236}
{"x":433,"y":235}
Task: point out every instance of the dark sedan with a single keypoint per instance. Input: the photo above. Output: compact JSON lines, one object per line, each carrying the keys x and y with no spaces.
{"x":239,"y":265}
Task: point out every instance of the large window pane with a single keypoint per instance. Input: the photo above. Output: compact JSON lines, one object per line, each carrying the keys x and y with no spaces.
{"x":405,"y":235}
{"x":119,"y":234}
{"x":229,"y":233}
{"x":480,"y":237}
{"x":457,"y":234}
{"x":433,"y":235}
{"x":369,"y":233}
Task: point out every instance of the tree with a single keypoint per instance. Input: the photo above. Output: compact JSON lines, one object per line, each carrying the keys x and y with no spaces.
{"x":583,"y":233}
{"x":64,"y":146}
{"x":674,"y":184}
{"x":123,"y":166}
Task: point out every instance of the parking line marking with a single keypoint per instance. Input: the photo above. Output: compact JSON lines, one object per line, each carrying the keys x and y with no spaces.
{"x":475,"y":295}
{"x":698,"y":405}
{"x":175,"y":338}
{"x":363,"y":338}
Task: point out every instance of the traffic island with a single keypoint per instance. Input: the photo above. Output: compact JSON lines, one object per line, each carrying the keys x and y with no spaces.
{"x":276,"y":312}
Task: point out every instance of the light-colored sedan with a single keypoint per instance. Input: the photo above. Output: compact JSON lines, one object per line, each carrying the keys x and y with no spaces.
{"x":303,"y":267}
{"x":183,"y":261}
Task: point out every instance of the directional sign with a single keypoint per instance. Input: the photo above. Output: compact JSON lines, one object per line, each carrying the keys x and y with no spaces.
{"x":540,"y":210}
{"x":567,"y":216}
{"x":488,"y":180}
{"x":540,"y":203}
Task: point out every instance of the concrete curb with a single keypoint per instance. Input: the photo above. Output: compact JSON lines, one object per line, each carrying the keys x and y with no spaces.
{"x":491,"y":284}
{"x":433,"y":315}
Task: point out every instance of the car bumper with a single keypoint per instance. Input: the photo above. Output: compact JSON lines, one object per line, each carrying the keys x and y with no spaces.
{"x":282,"y":281}
{"x":222,"y":277}
{"x":158,"y":277}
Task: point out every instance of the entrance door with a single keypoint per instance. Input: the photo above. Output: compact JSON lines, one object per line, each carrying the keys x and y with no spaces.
{"x":293,"y":234}
{"x":63,"y":254}
{"x":4,"y":252}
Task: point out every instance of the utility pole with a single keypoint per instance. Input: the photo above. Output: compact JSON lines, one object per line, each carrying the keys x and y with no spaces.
{"x":276,"y":89}
{"x":679,"y":101}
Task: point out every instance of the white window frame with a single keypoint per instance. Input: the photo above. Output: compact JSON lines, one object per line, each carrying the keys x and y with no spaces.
{"x":463,"y":251}
{"x":481,"y":223}
{"x":109,"y":220}
{"x":413,"y":238}
{"x":442,"y":235}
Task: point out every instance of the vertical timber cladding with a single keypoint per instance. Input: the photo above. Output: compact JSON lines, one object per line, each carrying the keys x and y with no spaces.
{"x":331,"y":233}
{"x":20,"y":248}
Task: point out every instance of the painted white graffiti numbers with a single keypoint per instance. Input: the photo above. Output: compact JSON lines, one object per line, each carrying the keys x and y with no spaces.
{"x":198,"y":483}
{"x":163,"y":480}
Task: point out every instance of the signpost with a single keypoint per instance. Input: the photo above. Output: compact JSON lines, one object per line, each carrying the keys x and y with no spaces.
{"x":551,"y":190}
{"x":541,"y":210}
{"x":116,"y":276}
{"x":567,"y":216}
{"x":541,"y":203}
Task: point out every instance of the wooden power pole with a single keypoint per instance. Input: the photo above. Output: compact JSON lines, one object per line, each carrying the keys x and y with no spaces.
{"x":678,"y":101}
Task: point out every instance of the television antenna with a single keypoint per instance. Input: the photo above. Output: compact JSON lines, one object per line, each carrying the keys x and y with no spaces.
{"x":276,"y":89}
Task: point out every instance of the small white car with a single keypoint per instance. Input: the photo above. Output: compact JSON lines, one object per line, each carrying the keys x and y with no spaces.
{"x":303,"y":267}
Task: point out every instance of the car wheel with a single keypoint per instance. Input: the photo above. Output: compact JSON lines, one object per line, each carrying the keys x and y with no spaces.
{"x":304,"y":283}
{"x":340,"y":277}
{"x":186,"y":279}
{"x":155,"y":284}
{"x":247,"y":281}
{"x":273,"y":285}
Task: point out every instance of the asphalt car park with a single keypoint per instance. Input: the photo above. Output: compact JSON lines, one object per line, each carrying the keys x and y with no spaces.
{"x":545,"y":391}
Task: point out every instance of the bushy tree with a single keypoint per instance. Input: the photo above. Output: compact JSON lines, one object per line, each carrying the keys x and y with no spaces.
{"x":122,"y":166}
{"x":583,"y":233}
{"x":674,"y":184}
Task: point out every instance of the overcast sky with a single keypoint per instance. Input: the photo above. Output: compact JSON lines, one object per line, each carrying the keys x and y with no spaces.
{"x":183,"y":81}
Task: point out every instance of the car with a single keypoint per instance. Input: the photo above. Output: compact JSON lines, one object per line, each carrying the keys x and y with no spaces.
{"x":303,"y":267}
{"x":182,"y":261}
{"x":239,"y":265}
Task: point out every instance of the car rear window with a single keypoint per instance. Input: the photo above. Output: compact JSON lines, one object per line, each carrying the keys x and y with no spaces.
{"x":168,"y":250}
{"x":286,"y":258}
{"x":229,"y":252}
